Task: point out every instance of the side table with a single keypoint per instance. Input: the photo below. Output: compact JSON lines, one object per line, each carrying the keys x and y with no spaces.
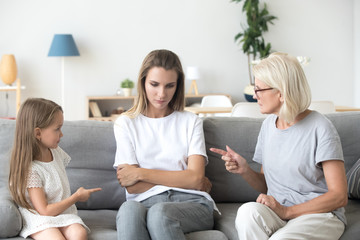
{"x":16,"y":88}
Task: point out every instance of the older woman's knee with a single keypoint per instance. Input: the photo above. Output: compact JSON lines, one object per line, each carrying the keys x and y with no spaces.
{"x":248,"y":213}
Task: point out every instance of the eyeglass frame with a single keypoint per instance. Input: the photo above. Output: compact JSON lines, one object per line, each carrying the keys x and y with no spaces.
{"x":260,"y":90}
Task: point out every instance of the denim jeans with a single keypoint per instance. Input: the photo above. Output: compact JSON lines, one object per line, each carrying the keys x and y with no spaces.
{"x":168,"y":215}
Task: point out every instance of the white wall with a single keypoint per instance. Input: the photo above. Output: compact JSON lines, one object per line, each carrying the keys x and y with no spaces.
{"x":114,"y":36}
{"x":357,"y":53}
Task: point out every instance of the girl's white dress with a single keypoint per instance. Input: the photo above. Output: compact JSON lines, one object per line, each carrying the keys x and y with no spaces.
{"x":52,"y":177}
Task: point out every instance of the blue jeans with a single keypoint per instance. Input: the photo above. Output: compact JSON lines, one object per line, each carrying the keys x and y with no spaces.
{"x":168,"y":215}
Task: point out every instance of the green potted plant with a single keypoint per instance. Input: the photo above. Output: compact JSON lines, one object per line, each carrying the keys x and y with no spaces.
{"x":127,"y":85}
{"x":251,"y":38}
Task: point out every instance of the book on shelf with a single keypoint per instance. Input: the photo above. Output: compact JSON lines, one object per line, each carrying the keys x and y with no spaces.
{"x":95,"y":110}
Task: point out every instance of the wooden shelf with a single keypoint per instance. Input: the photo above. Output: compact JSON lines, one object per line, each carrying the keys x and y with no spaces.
{"x":106,"y":104}
{"x":101,"y":118}
{"x":110,"y":97}
{"x":346,"y":109}
{"x":209,"y":110}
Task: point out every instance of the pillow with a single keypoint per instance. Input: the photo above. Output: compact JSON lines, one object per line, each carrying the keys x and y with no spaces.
{"x":353,"y":178}
{"x":10,"y":220}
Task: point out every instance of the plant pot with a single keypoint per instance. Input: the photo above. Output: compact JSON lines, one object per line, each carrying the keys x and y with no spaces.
{"x":127,"y":91}
{"x":249,"y":93}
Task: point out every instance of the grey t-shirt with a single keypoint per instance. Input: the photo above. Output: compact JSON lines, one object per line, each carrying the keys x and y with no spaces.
{"x":291,"y":158}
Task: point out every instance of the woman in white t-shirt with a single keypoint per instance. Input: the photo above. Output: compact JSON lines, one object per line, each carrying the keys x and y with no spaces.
{"x":302,"y":179}
{"x":161,"y":157}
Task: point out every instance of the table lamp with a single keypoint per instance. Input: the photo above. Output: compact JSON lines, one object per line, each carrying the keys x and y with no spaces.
{"x":192,"y":73}
{"x":63,"y":45}
{"x":8,"y":69}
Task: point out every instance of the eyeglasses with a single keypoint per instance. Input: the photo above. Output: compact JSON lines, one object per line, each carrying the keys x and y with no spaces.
{"x":260,"y":90}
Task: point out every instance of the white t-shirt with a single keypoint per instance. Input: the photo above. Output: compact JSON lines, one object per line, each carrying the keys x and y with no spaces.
{"x":51,"y":176}
{"x":159,"y":143}
{"x":291,"y":158}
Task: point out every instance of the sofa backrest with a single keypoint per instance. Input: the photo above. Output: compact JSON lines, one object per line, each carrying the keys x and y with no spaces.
{"x":241,"y":133}
{"x":348,"y":126}
{"x":7,"y":131}
{"x":91,"y":146}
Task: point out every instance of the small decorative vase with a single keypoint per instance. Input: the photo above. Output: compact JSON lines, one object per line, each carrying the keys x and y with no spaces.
{"x":249,"y":93}
{"x":127,"y":91}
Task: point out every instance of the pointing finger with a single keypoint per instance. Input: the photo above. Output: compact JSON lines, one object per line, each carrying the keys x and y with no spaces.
{"x":92,"y":190}
{"x":218,"y":151}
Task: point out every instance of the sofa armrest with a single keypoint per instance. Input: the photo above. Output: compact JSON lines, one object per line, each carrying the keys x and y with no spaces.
{"x":10,"y":220}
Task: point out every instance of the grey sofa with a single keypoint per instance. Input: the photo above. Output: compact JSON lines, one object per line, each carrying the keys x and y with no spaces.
{"x":91,"y":145}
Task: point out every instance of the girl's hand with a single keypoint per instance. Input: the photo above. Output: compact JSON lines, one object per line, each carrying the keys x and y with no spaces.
{"x":274,"y":205}
{"x":127,"y":174}
{"x":83,"y":194}
{"x":234,"y":162}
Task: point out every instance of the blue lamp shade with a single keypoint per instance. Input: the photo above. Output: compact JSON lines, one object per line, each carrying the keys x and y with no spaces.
{"x":63,"y":45}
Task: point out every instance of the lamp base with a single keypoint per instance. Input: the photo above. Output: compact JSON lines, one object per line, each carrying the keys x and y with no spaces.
{"x":193,"y":86}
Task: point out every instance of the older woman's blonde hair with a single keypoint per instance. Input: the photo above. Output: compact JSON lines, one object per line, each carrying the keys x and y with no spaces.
{"x":284,"y":73}
{"x":169,"y":61}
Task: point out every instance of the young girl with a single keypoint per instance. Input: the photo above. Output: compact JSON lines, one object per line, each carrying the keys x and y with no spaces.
{"x":161,"y":158}
{"x":38,"y":182}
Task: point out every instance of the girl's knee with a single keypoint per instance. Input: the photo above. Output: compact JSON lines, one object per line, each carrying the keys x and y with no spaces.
{"x":50,"y":233}
{"x":81,"y":232}
{"x":75,"y":231}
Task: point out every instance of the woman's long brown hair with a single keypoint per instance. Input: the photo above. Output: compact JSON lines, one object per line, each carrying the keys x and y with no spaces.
{"x":169,"y":61}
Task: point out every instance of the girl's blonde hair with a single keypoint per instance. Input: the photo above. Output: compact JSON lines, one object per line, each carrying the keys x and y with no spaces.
{"x":33,"y":113}
{"x":169,"y":61}
{"x":284,"y":73}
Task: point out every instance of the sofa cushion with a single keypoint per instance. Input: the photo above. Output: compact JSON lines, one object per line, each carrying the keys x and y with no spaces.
{"x":206,"y":235}
{"x":103,"y":226}
{"x":352,"y":212}
{"x":226,"y":221}
{"x":241,"y":135}
{"x":353,"y":178}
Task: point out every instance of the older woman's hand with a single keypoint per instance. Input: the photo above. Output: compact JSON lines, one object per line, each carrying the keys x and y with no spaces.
{"x":274,"y":205}
{"x":127,"y":175}
{"x":234,"y":162}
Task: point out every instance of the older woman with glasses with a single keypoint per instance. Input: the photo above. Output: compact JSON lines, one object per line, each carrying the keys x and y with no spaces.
{"x":302,"y":179}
